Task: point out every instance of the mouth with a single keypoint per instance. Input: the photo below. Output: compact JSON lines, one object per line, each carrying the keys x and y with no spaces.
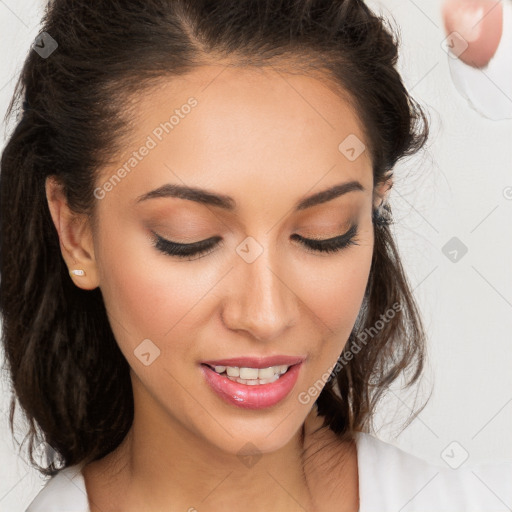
{"x":252,"y":387}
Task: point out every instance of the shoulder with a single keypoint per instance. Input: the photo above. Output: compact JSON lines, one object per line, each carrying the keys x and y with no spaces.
{"x":391,"y":479}
{"x":64,"y":492}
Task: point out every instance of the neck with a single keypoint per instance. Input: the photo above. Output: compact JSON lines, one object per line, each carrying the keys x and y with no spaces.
{"x":156,"y":467}
{"x":190,"y":475}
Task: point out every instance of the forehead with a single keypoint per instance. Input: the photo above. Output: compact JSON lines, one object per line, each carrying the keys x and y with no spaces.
{"x":246,"y":127}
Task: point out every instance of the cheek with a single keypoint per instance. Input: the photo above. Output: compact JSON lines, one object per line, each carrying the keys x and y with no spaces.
{"x":145,"y":294}
{"x":335,"y":290}
{"x":334,"y":295}
{"x":336,"y":299}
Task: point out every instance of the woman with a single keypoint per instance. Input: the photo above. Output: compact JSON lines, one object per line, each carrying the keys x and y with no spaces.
{"x":202,"y":300}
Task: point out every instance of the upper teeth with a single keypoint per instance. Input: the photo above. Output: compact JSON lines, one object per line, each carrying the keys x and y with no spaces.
{"x":252,"y":373}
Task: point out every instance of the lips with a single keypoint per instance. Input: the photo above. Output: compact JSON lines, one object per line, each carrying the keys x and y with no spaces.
{"x":251,"y":397}
{"x":256,"y":362}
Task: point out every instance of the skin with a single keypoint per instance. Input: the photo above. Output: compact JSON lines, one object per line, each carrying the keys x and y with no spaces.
{"x":480,"y":23}
{"x":267,"y":139}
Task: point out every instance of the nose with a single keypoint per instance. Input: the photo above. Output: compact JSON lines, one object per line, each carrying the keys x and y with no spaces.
{"x":260,"y":299}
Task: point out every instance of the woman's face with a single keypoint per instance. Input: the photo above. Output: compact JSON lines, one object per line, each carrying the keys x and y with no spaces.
{"x":264,"y":141}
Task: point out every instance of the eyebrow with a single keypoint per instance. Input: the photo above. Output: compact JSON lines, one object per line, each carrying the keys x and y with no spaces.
{"x":227,"y":203}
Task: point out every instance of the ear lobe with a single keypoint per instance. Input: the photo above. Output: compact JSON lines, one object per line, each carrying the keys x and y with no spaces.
{"x":75,"y":236}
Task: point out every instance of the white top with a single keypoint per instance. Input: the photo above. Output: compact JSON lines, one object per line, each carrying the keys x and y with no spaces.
{"x":390,"y":480}
{"x":488,"y":90}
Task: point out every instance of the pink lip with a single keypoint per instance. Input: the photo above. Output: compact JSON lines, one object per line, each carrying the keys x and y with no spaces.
{"x":258,"y":396}
{"x":257,"y":362}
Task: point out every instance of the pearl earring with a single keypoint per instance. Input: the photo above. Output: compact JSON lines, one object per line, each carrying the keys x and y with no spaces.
{"x":77,"y":272}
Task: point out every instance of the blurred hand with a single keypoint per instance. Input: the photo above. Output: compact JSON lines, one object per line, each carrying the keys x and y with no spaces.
{"x":480,"y":23}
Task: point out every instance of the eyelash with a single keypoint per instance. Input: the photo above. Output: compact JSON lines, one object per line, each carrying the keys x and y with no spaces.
{"x":204,"y":247}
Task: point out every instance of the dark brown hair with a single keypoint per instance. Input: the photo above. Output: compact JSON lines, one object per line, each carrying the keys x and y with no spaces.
{"x":68,"y":374}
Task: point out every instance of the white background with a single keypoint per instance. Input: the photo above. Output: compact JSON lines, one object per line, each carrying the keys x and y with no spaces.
{"x":453,"y":189}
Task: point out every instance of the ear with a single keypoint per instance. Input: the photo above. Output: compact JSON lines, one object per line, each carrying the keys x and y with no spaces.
{"x":382,"y":190}
{"x":75,"y":235}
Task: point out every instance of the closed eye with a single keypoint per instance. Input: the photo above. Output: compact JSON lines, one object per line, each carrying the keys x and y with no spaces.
{"x":330,"y":245}
{"x":204,"y":247}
